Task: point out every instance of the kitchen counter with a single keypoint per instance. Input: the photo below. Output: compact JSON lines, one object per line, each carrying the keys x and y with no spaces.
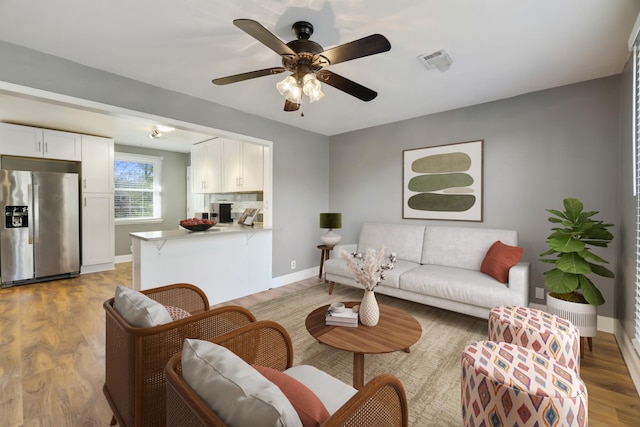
{"x":184,"y":233}
{"x":226,"y":261}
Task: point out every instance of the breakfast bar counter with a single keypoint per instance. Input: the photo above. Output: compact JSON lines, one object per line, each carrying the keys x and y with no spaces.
{"x":226,"y":261}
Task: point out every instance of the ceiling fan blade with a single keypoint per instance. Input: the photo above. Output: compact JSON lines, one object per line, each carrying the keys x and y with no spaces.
{"x":264,"y":36}
{"x":291,"y":106}
{"x":366,"y":46}
{"x":246,"y":76}
{"x":346,"y":85}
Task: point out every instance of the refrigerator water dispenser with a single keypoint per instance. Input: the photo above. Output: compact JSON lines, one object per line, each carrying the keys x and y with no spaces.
{"x":16,"y":216}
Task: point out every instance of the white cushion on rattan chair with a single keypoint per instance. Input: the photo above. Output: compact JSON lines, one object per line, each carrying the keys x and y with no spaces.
{"x":138,"y":309}
{"x":332,"y":392}
{"x":237,"y":393}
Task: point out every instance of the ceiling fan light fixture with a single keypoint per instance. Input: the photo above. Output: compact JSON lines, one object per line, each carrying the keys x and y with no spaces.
{"x":155,"y":134}
{"x":290,"y":89}
{"x":311,"y":87}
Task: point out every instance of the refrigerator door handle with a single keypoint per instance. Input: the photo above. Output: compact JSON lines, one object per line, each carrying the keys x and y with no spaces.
{"x":34,"y":229}
{"x":30,"y":226}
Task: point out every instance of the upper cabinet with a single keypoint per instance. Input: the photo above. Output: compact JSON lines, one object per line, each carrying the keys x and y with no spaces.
{"x":226,"y":166}
{"x":97,"y":164}
{"x":206,"y":167}
{"x":243,"y":166}
{"x":27,"y":141}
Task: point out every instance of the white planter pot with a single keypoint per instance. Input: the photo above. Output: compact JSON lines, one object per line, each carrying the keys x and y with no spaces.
{"x":583,"y":316}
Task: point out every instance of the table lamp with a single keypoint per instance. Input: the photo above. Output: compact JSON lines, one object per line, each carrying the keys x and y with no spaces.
{"x":330,"y":221}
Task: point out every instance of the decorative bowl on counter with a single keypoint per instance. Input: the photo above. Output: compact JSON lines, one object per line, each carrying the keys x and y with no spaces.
{"x":197,"y":224}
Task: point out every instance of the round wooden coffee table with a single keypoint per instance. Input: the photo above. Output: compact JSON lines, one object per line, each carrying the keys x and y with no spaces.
{"x":395,"y":331}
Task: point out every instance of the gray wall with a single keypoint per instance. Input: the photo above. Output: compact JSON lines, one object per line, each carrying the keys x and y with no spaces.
{"x":174,"y":196}
{"x":300,"y":158}
{"x":539,"y":148}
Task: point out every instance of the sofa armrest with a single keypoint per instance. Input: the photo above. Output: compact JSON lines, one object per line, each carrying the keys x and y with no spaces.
{"x":519,"y":278}
{"x":350,"y":248}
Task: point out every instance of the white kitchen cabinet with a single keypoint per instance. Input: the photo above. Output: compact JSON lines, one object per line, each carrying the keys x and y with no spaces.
{"x":98,"y":233}
{"x":206,"y":167}
{"x":97,"y":164}
{"x":28,"y":141}
{"x":98,"y":224}
{"x":243,"y":166}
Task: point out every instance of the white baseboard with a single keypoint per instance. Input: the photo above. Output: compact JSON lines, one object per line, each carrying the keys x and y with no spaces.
{"x":123,"y":258}
{"x":629,"y":354}
{"x":276,"y":282}
{"x":96,"y":268}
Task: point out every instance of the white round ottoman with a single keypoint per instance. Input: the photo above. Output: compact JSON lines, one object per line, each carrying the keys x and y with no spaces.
{"x":508,"y":385}
{"x":538,"y":330}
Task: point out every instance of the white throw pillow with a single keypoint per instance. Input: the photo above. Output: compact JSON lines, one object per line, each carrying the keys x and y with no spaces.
{"x":138,"y":309}
{"x":237,"y":393}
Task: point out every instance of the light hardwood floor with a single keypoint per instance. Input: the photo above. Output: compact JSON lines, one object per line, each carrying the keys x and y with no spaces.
{"x":52,"y":355}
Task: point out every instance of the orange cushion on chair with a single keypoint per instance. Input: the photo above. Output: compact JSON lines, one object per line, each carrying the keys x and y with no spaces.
{"x":499,"y":259}
{"x":310,"y":409}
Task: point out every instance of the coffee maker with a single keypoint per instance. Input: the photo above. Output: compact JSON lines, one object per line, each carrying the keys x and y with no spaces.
{"x":221,"y":212}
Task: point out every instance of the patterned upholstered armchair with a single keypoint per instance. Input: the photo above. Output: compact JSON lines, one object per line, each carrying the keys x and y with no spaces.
{"x":381,"y":402}
{"x":135,"y":357}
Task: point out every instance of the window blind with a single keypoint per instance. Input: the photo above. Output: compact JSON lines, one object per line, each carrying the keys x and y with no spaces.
{"x":636,"y":188}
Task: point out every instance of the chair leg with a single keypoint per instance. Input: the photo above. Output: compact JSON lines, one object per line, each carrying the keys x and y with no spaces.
{"x":590,"y":341}
{"x":113,"y":421}
{"x":331,"y":287}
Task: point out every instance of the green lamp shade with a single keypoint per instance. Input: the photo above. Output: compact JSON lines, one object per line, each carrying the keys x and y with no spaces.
{"x":331,"y":220}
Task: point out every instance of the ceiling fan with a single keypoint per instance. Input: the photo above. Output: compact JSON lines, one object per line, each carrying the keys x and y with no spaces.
{"x":305,"y":60}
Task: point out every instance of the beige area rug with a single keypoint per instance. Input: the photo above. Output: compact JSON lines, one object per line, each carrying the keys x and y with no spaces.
{"x":430,"y":373}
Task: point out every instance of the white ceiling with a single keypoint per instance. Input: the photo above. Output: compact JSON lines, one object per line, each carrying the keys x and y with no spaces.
{"x":500,"y":48}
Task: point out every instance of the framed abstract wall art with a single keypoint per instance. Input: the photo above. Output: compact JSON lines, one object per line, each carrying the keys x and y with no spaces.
{"x":443,"y":182}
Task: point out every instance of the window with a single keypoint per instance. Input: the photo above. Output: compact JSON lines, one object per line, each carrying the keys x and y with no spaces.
{"x":636,"y":187}
{"x":137,"y":187}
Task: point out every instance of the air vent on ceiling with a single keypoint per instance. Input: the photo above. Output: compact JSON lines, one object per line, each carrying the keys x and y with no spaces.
{"x":440,"y":60}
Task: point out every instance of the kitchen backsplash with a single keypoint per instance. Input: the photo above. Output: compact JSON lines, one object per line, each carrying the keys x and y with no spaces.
{"x":241,"y":201}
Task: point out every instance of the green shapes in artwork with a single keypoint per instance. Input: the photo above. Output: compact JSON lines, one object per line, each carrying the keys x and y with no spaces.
{"x":442,"y":163}
{"x":429,"y":183}
{"x":442,"y":202}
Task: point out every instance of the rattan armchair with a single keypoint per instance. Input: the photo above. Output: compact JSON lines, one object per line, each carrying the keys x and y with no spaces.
{"x":381,"y":402}
{"x":135,"y":358}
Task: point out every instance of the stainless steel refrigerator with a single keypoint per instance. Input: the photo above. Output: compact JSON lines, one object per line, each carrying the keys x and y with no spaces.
{"x":40,"y":235}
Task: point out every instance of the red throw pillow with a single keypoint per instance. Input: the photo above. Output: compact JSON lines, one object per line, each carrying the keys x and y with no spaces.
{"x":499,"y":259}
{"x":310,"y":409}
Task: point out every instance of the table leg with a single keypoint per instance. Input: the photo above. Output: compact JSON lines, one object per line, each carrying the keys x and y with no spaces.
{"x":358,"y":370}
{"x":321,"y":264}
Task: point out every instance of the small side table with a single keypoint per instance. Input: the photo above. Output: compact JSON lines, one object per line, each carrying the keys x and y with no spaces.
{"x":324,"y":255}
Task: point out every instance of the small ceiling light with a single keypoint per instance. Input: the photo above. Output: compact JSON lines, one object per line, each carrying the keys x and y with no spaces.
{"x":290,"y":89}
{"x":440,"y":60}
{"x":155,"y":134}
{"x":311,"y":87}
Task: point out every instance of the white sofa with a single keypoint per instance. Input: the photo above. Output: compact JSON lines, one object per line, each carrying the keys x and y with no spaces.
{"x":438,"y":266}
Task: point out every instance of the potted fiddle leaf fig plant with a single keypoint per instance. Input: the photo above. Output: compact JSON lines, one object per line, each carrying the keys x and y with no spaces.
{"x":572,"y":293}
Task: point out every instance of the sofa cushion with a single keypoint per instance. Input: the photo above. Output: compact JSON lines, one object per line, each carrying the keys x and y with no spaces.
{"x":339,"y":267}
{"x":331,"y":391}
{"x":309,"y":407}
{"x":499,"y":259}
{"x":405,"y":240}
{"x":138,"y":309}
{"x":457,"y":284}
{"x":462,"y":247}
{"x":237,"y":393}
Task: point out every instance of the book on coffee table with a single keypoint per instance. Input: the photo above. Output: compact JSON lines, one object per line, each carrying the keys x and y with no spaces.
{"x":343,"y":318}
